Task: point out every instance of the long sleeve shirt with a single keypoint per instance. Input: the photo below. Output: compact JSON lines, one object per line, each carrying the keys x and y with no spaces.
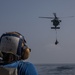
{"x":23,"y":68}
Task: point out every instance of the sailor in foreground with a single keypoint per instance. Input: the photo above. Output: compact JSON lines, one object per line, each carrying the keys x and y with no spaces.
{"x":14,"y":51}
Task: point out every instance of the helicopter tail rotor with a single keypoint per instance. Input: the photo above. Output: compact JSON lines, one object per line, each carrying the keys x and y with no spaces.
{"x":54,"y":14}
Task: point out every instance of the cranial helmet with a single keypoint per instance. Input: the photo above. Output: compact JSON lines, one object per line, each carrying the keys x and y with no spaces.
{"x":11,"y":42}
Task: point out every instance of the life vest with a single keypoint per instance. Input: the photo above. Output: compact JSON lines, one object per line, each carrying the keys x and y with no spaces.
{"x":8,"y":71}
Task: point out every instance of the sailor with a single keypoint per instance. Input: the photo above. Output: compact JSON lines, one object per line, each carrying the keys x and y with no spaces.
{"x":14,"y":52}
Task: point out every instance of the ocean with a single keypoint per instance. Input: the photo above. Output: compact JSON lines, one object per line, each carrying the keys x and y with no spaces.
{"x":55,"y":69}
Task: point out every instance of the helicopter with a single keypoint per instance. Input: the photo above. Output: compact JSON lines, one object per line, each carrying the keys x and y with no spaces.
{"x":55,"y":21}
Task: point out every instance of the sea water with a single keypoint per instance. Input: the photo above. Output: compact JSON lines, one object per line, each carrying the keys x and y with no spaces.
{"x":55,"y":69}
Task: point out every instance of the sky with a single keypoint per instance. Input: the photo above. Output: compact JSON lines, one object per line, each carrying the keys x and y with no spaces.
{"x":22,"y":16}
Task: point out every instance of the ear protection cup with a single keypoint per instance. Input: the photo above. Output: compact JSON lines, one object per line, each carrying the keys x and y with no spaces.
{"x":23,"y":48}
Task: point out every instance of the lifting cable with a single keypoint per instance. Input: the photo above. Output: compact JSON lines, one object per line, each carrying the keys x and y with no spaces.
{"x":56,"y":42}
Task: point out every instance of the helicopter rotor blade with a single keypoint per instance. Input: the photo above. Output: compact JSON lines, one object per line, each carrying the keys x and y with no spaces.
{"x":47,"y":17}
{"x":67,"y":17}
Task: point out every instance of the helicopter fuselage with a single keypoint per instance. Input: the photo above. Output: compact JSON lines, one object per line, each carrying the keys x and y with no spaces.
{"x":56,"y":22}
